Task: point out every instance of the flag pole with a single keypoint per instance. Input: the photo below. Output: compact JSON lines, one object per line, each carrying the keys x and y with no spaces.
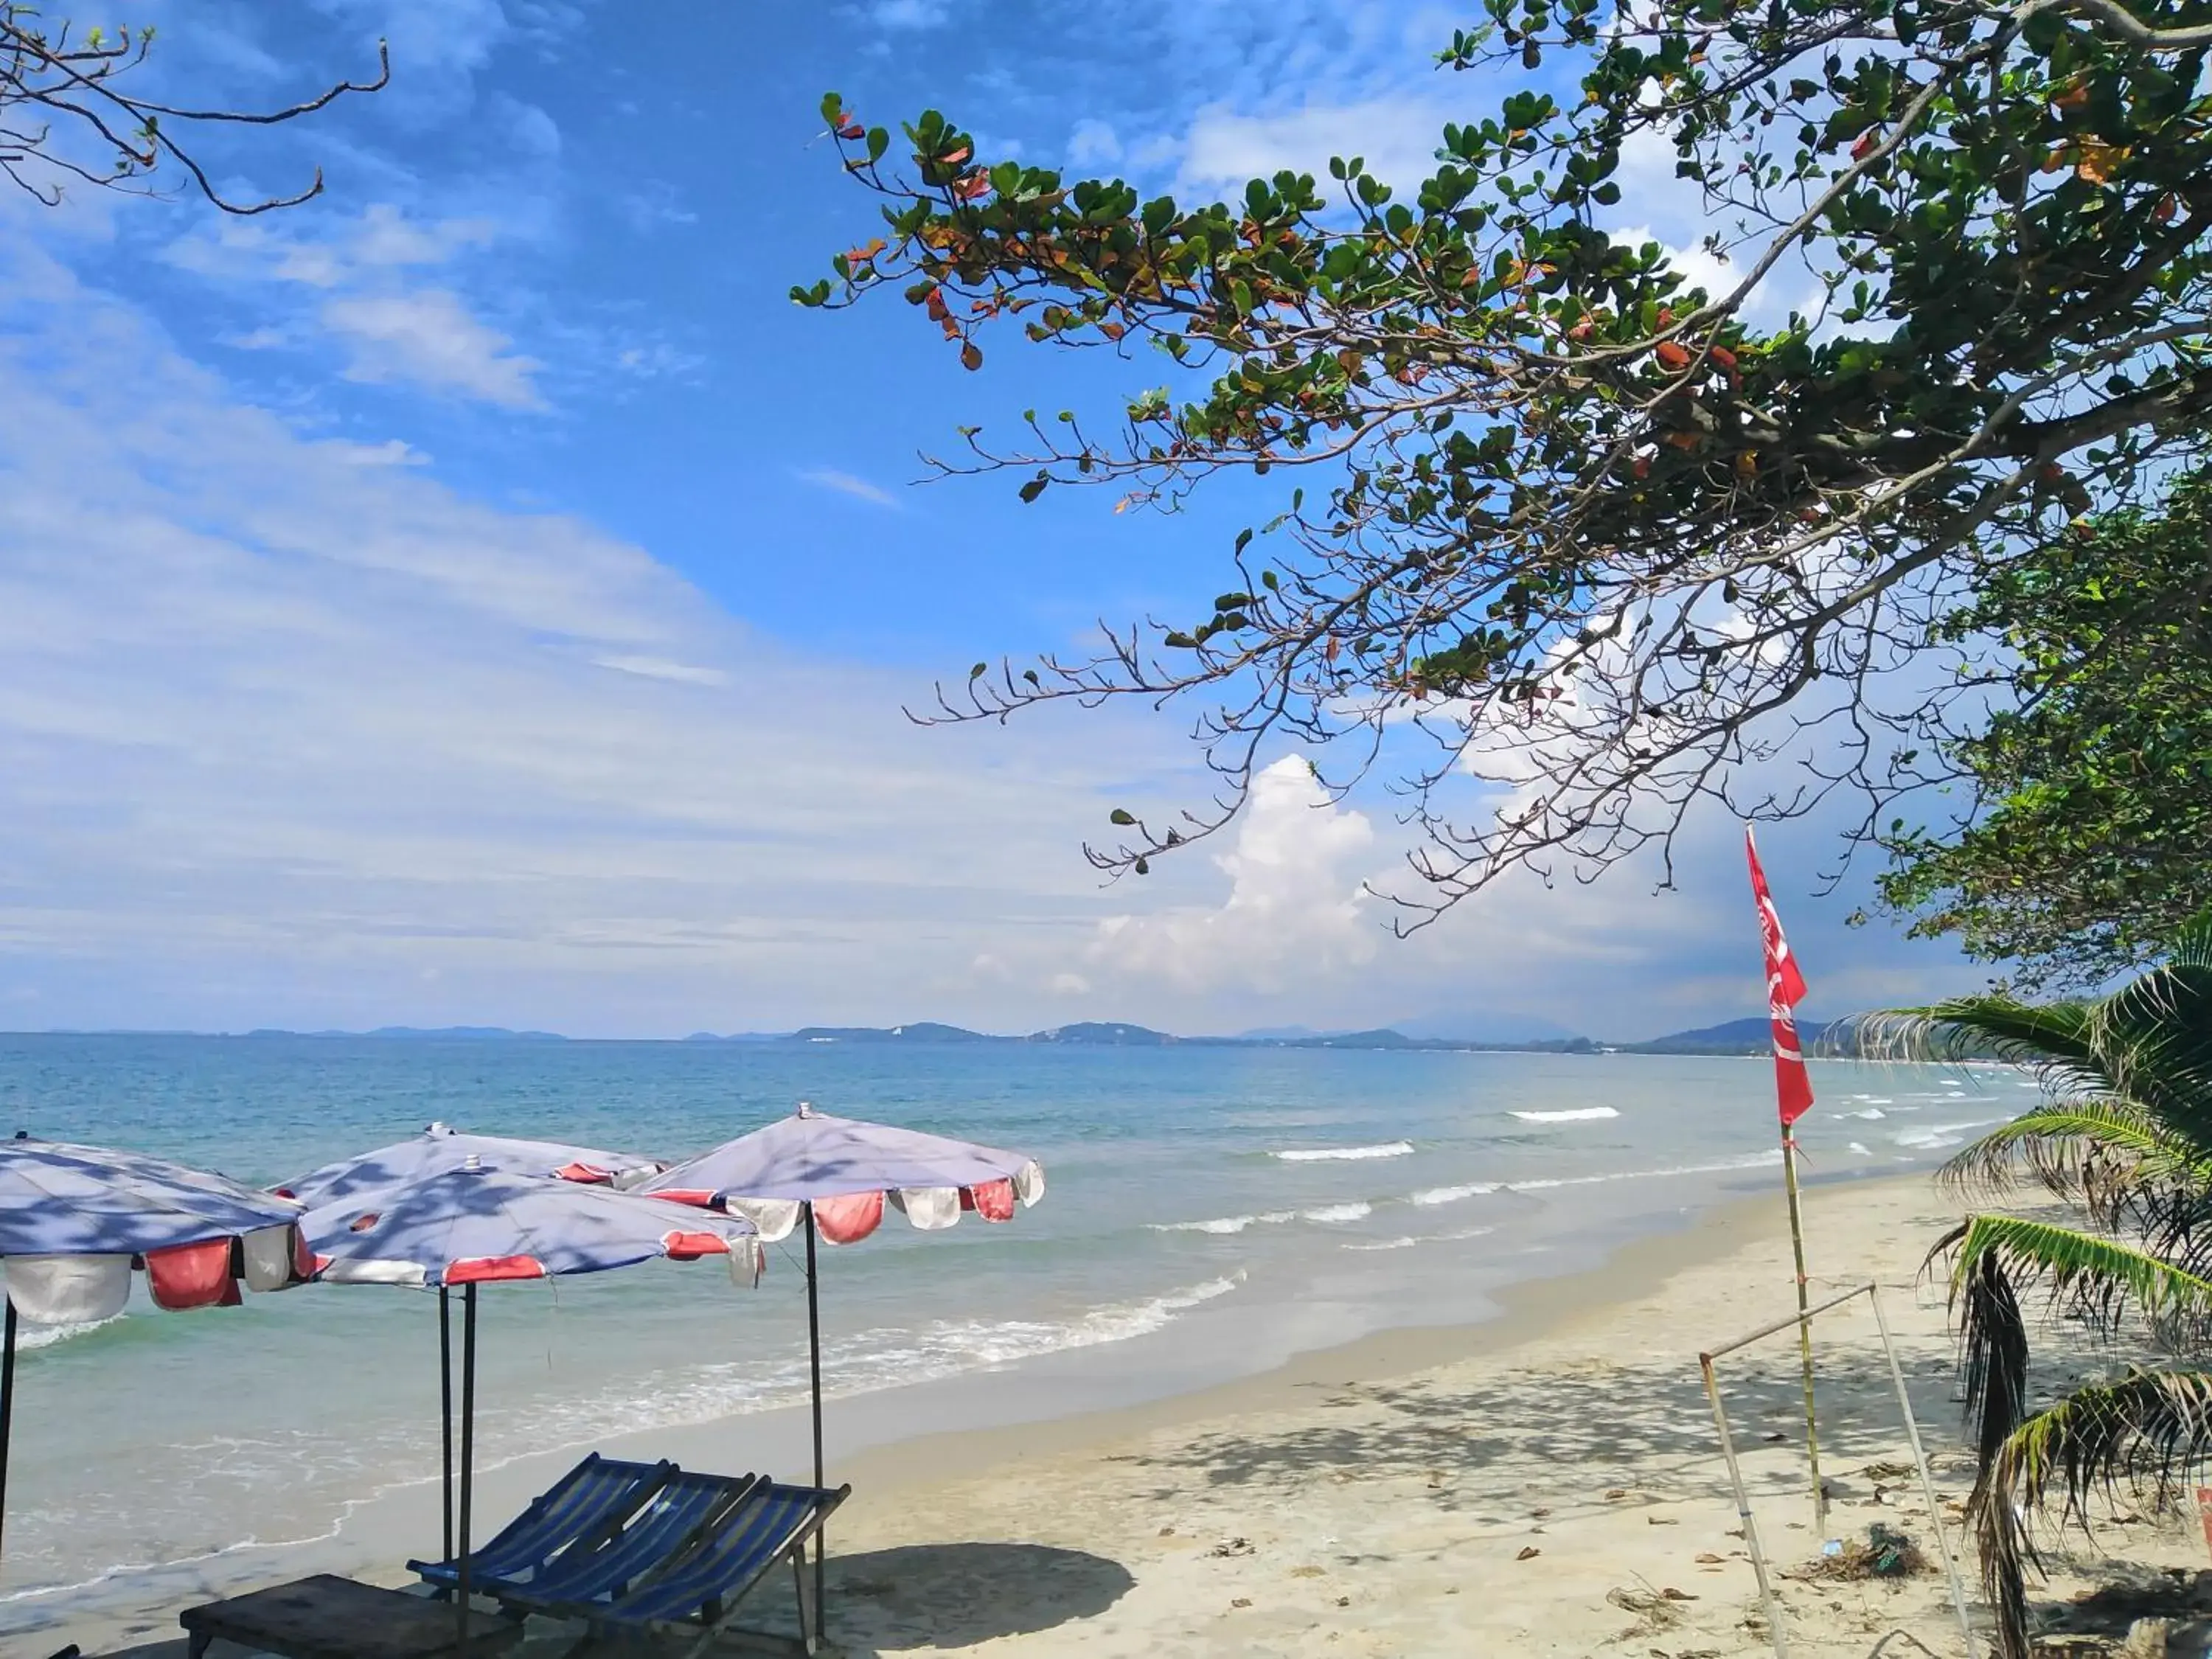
{"x":1793,"y":1087}
{"x":1804,"y":1326}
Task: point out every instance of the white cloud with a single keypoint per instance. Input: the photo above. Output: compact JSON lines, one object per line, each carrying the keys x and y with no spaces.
{"x":282,"y":732}
{"x":430,"y":339}
{"x":1092,"y":142}
{"x":392,"y":451}
{"x":396,"y":333}
{"x":831,"y":477}
{"x":1395,"y":136}
{"x":908,"y":14}
{"x":660,"y":668}
{"x":1295,"y":912}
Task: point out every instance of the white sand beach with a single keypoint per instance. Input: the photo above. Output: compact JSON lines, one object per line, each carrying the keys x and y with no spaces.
{"x":1547,"y":1483}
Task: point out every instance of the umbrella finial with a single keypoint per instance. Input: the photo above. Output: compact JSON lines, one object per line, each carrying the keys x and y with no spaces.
{"x":472,"y":1162}
{"x":806,"y":1109}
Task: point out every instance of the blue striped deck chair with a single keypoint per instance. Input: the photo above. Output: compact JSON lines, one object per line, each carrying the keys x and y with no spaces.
{"x":699,"y":1591}
{"x":586,"y":1506}
{"x":676,"y":1516}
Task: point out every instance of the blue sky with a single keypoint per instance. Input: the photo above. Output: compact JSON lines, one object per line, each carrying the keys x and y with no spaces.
{"x":480,"y":596}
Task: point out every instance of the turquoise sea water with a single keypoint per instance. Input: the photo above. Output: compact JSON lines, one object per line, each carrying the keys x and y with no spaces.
{"x":1209,"y":1211}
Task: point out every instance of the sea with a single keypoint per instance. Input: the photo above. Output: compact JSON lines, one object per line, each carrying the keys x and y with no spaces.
{"x":1209,"y":1211}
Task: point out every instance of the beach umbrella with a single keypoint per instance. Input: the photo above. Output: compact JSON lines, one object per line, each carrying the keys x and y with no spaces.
{"x":837,"y":1175}
{"x":440,"y":1147}
{"x":76,"y":1221}
{"x":474,"y":1225}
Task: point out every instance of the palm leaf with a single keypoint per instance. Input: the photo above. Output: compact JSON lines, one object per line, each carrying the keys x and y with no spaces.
{"x":2053,"y":1039}
{"x":2099,"y":1279}
{"x":2152,"y":1430}
{"x":2112,"y":1157}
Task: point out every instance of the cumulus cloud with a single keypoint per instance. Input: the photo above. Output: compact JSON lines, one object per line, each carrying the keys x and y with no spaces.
{"x":1295,"y":911}
{"x":1092,"y":142}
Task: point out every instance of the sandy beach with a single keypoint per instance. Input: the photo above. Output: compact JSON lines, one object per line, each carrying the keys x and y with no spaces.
{"x":1545,"y":1483}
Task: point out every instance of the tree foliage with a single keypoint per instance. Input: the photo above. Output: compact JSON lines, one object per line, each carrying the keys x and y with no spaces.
{"x":67,"y":112}
{"x":2088,"y":827}
{"x":1600,"y":534}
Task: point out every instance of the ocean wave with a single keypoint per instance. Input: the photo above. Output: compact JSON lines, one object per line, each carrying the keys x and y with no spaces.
{"x":869,"y":1362}
{"x":1333,"y":1154}
{"x":30,"y":1337}
{"x":1938,"y":1136}
{"x":1857,"y":1147}
{"x":1872,"y":1100}
{"x":1871,"y":1112}
{"x":1355,"y":1211}
{"x":1579,"y":1114}
{"x":1452,"y":1195}
{"x":1411,"y":1240}
{"x":1759,"y":1161}
{"x":1225,"y":1223}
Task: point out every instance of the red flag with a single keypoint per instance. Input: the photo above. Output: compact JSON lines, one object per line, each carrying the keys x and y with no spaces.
{"x":1785,"y":989}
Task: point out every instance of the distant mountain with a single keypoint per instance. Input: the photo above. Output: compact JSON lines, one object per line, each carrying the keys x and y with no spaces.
{"x":1106,"y":1033}
{"x":442,"y":1033}
{"x":1487,"y":1027}
{"x":1278,"y":1034}
{"x":1749,"y":1036}
{"x":925,"y":1030}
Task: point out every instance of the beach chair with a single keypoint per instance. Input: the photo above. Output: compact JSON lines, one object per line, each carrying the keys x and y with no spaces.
{"x":698,"y":1592}
{"x":583,"y":1509}
{"x":681,"y":1513}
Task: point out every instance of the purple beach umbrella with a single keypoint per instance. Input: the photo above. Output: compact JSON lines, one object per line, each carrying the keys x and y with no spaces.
{"x":474,"y":1224}
{"x":441,"y":1147}
{"x":837,"y":1174}
{"x":76,"y":1221}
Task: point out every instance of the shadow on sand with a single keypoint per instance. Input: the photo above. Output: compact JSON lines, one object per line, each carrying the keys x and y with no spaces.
{"x":942,"y":1596}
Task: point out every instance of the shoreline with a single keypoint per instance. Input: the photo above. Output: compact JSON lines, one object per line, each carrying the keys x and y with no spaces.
{"x":374,"y":1539}
{"x":1528,"y":1309}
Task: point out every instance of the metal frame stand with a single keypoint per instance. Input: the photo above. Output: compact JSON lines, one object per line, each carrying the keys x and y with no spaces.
{"x":1802,"y":1321}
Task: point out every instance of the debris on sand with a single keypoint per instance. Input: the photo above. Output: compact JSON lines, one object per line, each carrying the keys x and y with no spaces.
{"x":1885,"y":1552}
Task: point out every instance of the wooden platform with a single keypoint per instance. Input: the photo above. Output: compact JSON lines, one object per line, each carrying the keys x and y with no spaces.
{"x":330,"y":1618}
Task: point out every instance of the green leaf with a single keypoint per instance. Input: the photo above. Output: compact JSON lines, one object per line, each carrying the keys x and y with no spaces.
{"x":1122,"y":817}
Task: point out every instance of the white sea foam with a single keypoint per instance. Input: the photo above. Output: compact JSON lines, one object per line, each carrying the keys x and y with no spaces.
{"x":1938,"y":1136}
{"x":1759,"y":1161}
{"x":1860,"y":1149}
{"x":1871,"y":1112}
{"x":1336,"y":1212}
{"x":1411,"y":1240}
{"x":1335,"y":1154}
{"x":1579,"y":1114}
{"x":46,"y":1336}
{"x":1225,"y":1223}
{"x":1452,"y":1195}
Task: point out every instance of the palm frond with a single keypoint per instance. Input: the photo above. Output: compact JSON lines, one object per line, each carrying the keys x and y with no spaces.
{"x":2112,"y":1157}
{"x":2101,"y":1280}
{"x":2052,"y":1039}
{"x":1993,"y":1339}
{"x":2152,"y":1430}
{"x":2155,"y":1036}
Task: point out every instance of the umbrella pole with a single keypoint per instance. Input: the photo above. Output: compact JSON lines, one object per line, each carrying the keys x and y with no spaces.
{"x":7,"y":1406}
{"x":446,"y":1404}
{"x":468,"y":1443}
{"x":814,"y":1357}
